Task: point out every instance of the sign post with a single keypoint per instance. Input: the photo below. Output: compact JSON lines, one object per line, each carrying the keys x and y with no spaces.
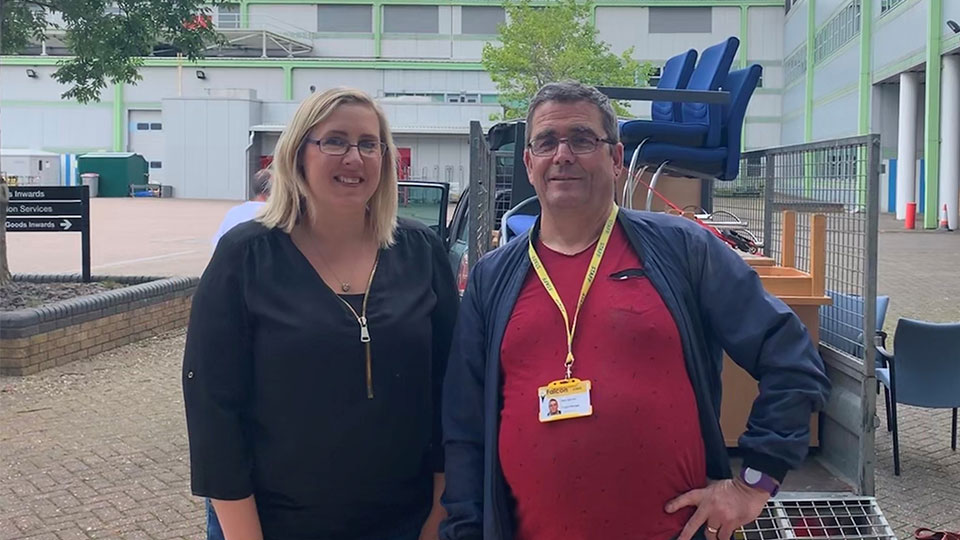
{"x":52,"y":209}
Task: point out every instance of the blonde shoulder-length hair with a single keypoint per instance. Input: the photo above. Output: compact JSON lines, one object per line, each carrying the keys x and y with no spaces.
{"x":290,"y":199}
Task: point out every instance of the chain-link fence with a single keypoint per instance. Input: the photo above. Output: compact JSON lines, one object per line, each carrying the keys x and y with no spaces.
{"x":839,"y":179}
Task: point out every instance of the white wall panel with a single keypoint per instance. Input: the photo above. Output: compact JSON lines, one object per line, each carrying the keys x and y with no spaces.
{"x":761,"y":135}
{"x":15,"y":85}
{"x":839,"y":71}
{"x":85,"y":127}
{"x":343,"y":48}
{"x":836,"y":119}
{"x":368,"y":80}
{"x":159,"y":83}
{"x":765,"y":33}
{"x":899,"y":34}
{"x":826,"y":9}
{"x":625,"y":27}
{"x":284,"y":18}
{"x":795,"y":28}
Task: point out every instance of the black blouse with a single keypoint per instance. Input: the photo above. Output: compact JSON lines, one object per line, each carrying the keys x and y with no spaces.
{"x":275,"y":385}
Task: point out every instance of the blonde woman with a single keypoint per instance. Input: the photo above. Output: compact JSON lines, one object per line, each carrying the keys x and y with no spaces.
{"x":317,"y":344}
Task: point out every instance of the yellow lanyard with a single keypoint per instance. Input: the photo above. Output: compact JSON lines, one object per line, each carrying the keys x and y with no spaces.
{"x":584,"y":289}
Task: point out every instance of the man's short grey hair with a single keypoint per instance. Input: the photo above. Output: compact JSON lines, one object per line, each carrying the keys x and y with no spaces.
{"x":572,"y":92}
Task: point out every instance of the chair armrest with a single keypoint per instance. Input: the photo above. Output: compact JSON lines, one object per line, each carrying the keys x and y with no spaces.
{"x":880,"y":339}
{"x":884,"y":355}
{"x":714,"y":97}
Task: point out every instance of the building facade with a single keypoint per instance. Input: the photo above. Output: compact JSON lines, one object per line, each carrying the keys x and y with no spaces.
{"x":831,"y":68}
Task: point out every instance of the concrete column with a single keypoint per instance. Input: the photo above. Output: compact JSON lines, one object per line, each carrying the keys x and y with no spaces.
{"x":907,"y":142}
{"x":950,"y":140}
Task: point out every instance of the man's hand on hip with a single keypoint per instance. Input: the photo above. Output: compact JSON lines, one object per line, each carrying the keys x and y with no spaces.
{"x":723,"y":506}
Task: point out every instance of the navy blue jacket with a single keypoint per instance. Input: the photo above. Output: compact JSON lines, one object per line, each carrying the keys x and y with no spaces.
{"x":717,"y":302}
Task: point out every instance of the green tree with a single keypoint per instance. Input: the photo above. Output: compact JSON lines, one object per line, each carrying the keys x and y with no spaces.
{"x":107,"y":39}
{"x":553,"y":42}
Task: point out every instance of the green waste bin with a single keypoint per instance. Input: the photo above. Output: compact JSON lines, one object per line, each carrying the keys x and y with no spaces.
{"x":117,"y":170}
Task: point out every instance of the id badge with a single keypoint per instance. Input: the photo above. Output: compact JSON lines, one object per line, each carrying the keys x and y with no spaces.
{"x":564,"y":399}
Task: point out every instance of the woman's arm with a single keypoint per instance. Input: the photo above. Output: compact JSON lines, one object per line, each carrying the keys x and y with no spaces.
{"x":218,"y":379}
{"x":238,"y":519}
{"x":431,"y":528}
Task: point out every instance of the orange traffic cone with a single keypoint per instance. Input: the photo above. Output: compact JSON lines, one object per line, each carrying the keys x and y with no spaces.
{"x":944,"y":224}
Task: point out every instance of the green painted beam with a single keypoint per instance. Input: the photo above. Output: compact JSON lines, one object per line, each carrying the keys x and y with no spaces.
{"x":119,"y":111}
{"x":287,"y":82}
{"x":931,"y":127}
{"x":244,"y":14}
{"x":377,"y":29}
{"x":296,"y":63}
{"x":866,"y":38}
{"x":744,"y":23}
{"x":808,"y":95}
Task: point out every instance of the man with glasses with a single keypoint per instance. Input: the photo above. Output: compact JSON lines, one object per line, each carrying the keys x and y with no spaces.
{"x":621,"y":317}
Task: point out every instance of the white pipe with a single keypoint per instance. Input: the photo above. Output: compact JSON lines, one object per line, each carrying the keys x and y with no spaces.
{"x":950,"y":140}
{"x":907,"y":142}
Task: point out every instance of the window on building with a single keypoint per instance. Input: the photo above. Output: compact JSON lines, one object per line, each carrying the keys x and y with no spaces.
{"x":680,"y":20}
{"x":156,"y":165}
{"x":838,"y":31}
{"x":228,"y":16}
{"x":345,"y":18}
{"x":654,"y":78}
{"x":143,"y":126}
{"x":887,"y":5}
{"x":795,"y":65}
{"x":462,"y":97}
{"x":411,"y":19}
{"x":482,"y":20}
{"x":156,"y":126}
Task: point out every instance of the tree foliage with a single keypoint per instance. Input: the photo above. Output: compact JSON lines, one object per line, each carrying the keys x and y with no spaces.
{"x":107,"y":39}
{"x":553,"y":42}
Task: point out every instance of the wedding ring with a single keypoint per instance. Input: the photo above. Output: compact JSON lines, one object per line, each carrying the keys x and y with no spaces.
{"x":711,"y":530}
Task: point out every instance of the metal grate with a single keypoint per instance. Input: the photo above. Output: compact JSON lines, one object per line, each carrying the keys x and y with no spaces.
{"x":837,"y":178}
{"x":828,"y":517}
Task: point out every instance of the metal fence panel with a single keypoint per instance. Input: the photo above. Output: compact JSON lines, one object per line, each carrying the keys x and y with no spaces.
{"x":839,"y":179}
{"x":482,"y":195}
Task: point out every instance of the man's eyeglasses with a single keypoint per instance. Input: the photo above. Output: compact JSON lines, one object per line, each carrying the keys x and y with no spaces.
{"x":337,"y":146}
{"x":578,"y":144}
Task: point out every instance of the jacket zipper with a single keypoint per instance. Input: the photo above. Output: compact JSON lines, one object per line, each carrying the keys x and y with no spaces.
{"x":364,"y":328}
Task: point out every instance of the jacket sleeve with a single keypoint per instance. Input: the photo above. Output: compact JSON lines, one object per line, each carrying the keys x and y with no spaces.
{"x":443,"y":319}
{"x":217,"y":380}
{"x":463,"y":421}
{"x":766,"y":338}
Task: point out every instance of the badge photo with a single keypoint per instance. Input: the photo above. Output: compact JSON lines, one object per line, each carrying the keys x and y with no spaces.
{"x":564,"y":399}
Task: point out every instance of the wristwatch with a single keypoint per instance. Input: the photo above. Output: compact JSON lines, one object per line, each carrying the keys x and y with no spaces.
{"x":759,"y":480}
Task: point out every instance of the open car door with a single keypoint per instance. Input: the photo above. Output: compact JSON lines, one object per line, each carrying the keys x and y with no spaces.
{"x":427,"y":203}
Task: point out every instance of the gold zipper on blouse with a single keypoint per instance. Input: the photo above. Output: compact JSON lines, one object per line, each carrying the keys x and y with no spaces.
{"x":364,"y":329}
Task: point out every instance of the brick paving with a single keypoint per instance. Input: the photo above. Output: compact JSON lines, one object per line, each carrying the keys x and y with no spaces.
{"x":920,"y":271}
{"x":97,"y":449}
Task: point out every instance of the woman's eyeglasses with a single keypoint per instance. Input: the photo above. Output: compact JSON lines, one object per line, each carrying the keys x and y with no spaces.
{"x":337,"y":146}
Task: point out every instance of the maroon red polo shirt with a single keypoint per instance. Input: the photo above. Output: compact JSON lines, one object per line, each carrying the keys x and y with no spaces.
{"x":608,"y":475}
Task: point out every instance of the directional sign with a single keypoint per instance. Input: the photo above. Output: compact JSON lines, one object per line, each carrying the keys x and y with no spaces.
{"x":37,"y":224}
{"x":45,"y":193}
{"x":53,"y":208}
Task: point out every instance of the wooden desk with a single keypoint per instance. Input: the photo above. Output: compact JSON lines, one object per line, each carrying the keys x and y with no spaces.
{"x":804,"y":293}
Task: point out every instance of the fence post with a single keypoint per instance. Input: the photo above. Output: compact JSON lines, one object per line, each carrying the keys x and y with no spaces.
{"x":869,"y":404}
{"x":768,"y":194}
